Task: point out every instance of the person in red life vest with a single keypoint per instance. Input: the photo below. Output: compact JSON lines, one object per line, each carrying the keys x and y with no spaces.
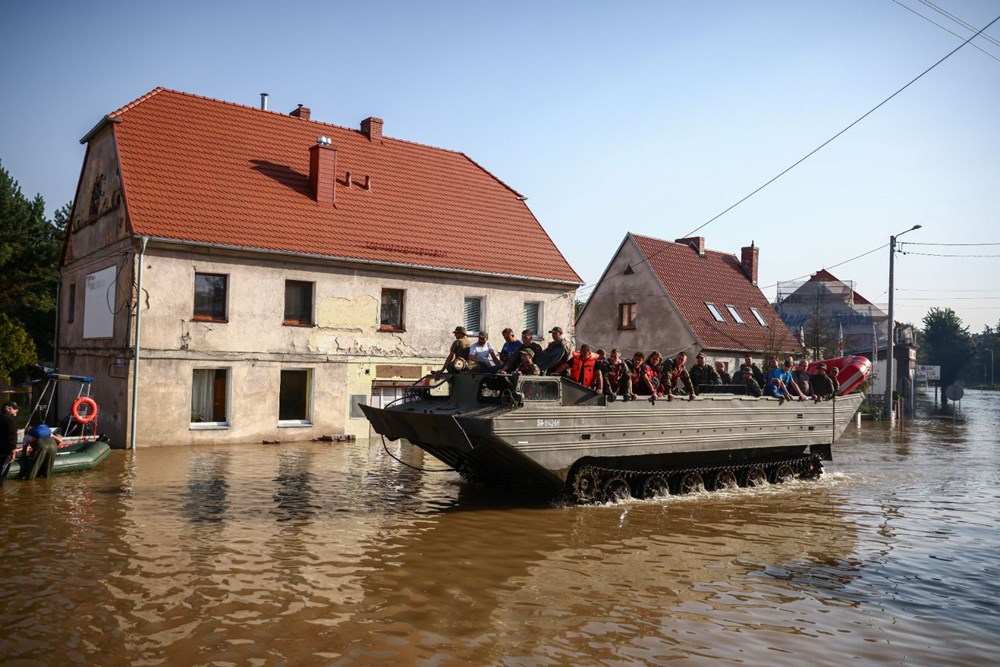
{"x":582,"y":369}
{"x":680,"y":376}
{"x":617,"y":378}
{"x":656,"y":373}
{"x":641,"y":376}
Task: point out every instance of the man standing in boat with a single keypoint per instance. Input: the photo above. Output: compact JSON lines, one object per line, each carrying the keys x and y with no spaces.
{"x":8,"y":437}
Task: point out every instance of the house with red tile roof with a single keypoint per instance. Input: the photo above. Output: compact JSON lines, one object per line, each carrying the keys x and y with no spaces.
{"x":679,"y":296}
{"x":232,"y":273}
{"x":834,"y":318}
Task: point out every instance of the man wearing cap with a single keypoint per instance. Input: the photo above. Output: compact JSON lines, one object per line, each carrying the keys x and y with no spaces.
{"x":527,"y":362}
{"x":8,"y":437}
{"x":702,"y":374}
{"x":822,"y":385}
{"x":751,"y":387}
{"x":758,"y":374}
{"x":555,"y":358}
{"x":458,"y":356}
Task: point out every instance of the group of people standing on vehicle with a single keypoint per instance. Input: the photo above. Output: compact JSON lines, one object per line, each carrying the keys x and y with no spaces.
{"x":651,"y":376}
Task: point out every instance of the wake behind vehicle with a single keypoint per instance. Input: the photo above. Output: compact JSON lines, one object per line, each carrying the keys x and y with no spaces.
{"x":556,"y":436}
{"x":79,"y":444}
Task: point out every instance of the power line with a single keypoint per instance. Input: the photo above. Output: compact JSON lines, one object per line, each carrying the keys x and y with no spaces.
{"x":825,"y":143}
{"x":885,"y":245}
{"x":810,"y":154}
{"x":975,"y":244}
{"x":909,"y":9}
{"x":931,"y":254}
{"x":957,"y":20}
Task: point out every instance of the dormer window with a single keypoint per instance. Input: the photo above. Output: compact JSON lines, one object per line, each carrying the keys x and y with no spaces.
{"x":715,"y":312}
{"x":758,"y":317}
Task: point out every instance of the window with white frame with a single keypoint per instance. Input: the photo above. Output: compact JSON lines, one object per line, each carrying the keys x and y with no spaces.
{"x":210,"y":397}
{"x":758,"y":317}
{"x":533,"y":316}
{"x":473,"y":314}
{"x":715,"y":312}
{"x":735,"y":314}
{"x":295,"y":398}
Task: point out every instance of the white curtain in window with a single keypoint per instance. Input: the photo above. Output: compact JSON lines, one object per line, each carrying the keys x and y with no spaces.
{"x":202,"y":390}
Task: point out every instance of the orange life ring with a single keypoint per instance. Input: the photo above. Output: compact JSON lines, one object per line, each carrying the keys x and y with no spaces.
{"x":91,"y":411}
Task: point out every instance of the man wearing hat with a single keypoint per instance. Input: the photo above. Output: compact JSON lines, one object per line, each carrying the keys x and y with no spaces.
{"x":8,"y":437}
{"x":750,"y":385}
{"x":458,"y":355}
{"x":527,"y":364}
{"x":821,"y":384}
{"x":555,"y":358}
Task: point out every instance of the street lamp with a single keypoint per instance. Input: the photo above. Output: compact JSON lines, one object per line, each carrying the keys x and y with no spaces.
{"x":892,"y":326}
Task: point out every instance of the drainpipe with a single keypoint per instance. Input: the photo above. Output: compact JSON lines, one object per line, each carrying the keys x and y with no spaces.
{"x":135,"y":349}
{"x":55,"y":332}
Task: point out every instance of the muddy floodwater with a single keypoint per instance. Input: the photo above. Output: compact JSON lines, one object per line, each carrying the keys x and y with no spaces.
{"x":336,"y":554}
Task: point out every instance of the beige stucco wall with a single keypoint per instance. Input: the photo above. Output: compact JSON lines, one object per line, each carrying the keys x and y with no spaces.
{"x":344,"y":351}
{"x":658,"y":327}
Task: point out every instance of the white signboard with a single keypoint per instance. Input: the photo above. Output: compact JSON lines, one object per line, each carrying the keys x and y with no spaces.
{"x":99,"y":297}
{"x":927,"y":373}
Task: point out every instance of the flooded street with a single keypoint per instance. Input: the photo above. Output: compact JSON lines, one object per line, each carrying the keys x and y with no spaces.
{"x":336,"y":554}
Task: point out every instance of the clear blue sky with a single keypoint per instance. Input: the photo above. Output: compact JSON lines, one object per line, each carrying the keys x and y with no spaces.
{"x":650,"y":117}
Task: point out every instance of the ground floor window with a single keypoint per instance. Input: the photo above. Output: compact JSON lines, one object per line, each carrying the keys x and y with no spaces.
{"x":294,"y":397}
{"x":210,"y":397}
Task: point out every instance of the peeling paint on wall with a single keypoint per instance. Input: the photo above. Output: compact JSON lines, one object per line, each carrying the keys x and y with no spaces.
{"x":358,"y":314}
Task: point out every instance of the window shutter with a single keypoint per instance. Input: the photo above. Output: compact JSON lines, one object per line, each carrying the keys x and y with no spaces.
{"x":473,"y":315}
{"x":531,"y":317}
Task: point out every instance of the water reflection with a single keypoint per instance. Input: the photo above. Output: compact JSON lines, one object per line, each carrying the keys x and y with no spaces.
{"x":339,"y":554}
{"x":208,"y":487}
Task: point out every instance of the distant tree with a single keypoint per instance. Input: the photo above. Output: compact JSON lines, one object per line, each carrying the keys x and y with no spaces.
{"x":989,"y":349}
{"x":578,"y":308}
{"x":947,"y":344}
{"x":17,"y":350}
{"x":30,"y":246}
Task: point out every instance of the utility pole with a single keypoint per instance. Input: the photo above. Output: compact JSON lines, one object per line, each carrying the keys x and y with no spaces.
{"x":889,"y":383}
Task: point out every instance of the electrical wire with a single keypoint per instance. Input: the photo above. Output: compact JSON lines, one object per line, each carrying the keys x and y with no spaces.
{"x":864,"y":254}
{"x":932,"y":254}
{"x":948,"y":30}
{"x":823,"y":145}
{"x":957,"y":20}
{"x":974,"y":244}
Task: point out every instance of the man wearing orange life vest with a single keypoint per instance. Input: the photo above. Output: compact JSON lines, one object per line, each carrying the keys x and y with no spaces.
{"x":582,"y":369}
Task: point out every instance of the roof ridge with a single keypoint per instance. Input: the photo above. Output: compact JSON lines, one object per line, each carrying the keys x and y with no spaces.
{"x":281,"y":114}
{"x":135,"y":102}
{"x":682,"y":245}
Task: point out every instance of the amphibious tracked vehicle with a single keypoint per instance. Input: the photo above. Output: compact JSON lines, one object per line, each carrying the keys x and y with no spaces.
{"x":556,"y":436}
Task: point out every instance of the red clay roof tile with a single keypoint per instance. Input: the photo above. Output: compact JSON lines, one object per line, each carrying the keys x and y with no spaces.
{"x":208,"y":171}
{"x":717,"y":277}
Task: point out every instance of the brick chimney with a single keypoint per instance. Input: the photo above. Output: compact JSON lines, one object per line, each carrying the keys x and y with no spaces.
{"x":696,"y":242}
{"x":301,"y":112}
{"x":323,"y":172}
{"x":372,"y":127}
{"x":748,"y":260}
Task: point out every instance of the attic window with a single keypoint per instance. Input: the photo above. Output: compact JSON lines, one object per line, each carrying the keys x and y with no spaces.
{"x":735,"y":315}
{"x":628,"y":271}
{"x":715,"y":312}
{"x":759,"y":318}
{"x":626,"y":316}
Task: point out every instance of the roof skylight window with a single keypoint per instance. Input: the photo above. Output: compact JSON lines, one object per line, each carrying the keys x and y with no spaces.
{"x":715,"y":312}
{"x":735,"y":315}
{"x":759,"y":318}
